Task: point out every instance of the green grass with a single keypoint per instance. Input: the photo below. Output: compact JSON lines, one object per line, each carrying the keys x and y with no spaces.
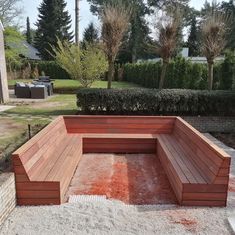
{"x":54,"y":106}
{"x":59,"y":84}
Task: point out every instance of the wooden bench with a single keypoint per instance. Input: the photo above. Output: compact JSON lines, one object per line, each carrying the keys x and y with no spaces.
{"x":45,"y":165}
{"x":197,"y":169}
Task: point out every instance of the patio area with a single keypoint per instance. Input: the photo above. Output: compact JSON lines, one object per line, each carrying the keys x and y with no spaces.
{"x":105,"y":217}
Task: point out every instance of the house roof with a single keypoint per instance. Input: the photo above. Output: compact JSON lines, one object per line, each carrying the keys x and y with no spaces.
{"x":30,"y":52}
{"x":26,"y":50}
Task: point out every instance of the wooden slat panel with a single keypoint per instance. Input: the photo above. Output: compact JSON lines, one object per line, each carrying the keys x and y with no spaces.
{"x":38,"y":186}
{"x":21,"y":178}
{"x":37,"y":137}
{"x":187,"y":167}
{"x":118,"y":124}
{"x":208,"y":167}
{"x":198,"y":174}
{"x":60,"y":166}
{"x":119,"y":145}
{"x":38,"y":201}
{"x":38,"y":194}
{"x":221,"y":180}
{"x":47,"y":161}
{"x":203,"y":203}
{"x":44,"y":144}
{"x":172,"y":175}
{"x":204,"y":155}
{"x":176,"y":160}
{"x":201,"y":188}
{"x":205,"y":196}
{"x":201,"y":140}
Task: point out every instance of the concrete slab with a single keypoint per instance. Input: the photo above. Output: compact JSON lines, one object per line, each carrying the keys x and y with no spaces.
{"x":231,"y":221}
{"x":5,"y":108}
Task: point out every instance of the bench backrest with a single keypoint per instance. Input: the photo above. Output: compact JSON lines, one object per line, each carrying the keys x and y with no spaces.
{"x":34,"y":155}
{"x":119,"y":124}
{"x":213,"y":161}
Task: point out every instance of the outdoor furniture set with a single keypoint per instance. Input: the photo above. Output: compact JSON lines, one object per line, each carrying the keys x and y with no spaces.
{"x":38,"y":89}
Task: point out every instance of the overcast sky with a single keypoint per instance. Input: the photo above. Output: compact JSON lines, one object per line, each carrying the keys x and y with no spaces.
{"x":31,"y":9}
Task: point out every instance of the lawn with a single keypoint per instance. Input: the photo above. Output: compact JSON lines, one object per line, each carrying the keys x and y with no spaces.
{"x":53,"y":106}
{"x":59,"y":84}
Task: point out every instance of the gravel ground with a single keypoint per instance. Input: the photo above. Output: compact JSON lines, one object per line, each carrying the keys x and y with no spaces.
{"x":114,"y":217}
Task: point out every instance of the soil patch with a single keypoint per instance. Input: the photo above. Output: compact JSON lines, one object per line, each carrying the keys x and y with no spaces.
{"x":8,"y":127}
{"x":137,"y":179}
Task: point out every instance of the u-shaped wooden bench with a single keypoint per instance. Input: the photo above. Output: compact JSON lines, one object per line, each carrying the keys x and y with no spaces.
{"x":197,"y":169}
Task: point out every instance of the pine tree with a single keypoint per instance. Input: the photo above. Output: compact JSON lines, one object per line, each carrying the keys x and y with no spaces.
{"x":54,"y":23}
{"x":229,"y":8}
{"x":90,"y":34}
{"x":28,"y":32}
{"x":193,"y":38}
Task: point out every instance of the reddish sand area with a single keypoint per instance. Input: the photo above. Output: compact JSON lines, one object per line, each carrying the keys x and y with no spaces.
{"x":132,"y":178}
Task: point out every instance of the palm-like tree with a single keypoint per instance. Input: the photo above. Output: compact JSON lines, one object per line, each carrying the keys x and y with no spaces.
{"x":167,"y":29}
{"x":214,"y":39}
{"x":115,"y":20}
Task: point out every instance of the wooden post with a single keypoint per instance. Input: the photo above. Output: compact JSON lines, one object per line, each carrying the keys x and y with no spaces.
{"x":4,"y":93}
{"x":77,"y":22}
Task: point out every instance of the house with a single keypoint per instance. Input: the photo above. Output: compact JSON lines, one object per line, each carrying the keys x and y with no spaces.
{"x":29,"y":51}
{"x":4,"y":95}
{"x":185,"y":54}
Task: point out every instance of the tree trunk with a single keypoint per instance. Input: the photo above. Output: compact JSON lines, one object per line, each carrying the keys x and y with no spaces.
{"x":134,"y":55}
{"x":210,"y":75}
{"x":110,"y":74}
{"x":77,"y":22}
{"x":163,"y":74}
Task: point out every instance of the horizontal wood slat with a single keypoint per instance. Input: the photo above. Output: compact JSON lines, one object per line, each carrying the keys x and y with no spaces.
{"x":119,"y":145}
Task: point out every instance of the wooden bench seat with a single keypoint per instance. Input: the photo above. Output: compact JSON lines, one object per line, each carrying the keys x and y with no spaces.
{"x":197,"y":169}
{"x":44,"y":169}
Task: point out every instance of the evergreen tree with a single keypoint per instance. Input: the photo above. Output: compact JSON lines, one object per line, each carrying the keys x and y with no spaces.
{"x":90,"y":34}
{"x":28,"y":32}
{"x":229,"y":8}
{"x":193,"y":38}
{"x":54,"y":23}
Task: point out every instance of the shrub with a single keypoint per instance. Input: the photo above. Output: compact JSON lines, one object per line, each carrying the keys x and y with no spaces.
{"x":156,"y":102}
{"x":181,"y":74}
{"x":50,"y":68}
{"x":86,"y":65}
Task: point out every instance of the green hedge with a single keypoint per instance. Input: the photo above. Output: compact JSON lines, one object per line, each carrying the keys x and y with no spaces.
{"x":156,"y":102}
{"x":181,"y":73}
{"x":50,"y":68}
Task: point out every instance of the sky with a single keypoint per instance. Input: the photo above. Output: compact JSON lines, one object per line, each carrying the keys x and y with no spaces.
{"x":30,"y":9}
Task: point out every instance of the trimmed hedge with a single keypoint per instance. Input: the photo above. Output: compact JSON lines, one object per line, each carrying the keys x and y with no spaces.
{"x":156,"y":102}
{"x":182,"y":74}
{"x":50,"y":68}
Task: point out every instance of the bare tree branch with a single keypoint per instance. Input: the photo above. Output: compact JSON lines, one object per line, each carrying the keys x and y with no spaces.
{"x":9,"y":10}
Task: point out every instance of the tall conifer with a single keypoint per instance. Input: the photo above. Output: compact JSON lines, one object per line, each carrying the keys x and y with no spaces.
{"x":54,"y":22}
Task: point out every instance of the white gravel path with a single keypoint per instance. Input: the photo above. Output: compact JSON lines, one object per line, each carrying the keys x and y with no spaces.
{"x":114,"y":217}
